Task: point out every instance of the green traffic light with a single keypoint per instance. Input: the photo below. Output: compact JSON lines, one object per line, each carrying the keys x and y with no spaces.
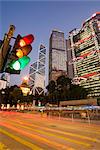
{"x":23,"y":61}
{"x":20,"y":63}
{"x":16,"y":65}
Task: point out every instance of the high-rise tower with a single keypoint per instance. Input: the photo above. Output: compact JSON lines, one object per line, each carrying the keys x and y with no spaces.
{"x":37,"y":75}
{"x":57,"y":55}
{"x":85,"y":50}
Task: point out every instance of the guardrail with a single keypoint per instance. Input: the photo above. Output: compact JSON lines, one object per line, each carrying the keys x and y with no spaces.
{"x":87,"y":112}
{"x":22,"y":107}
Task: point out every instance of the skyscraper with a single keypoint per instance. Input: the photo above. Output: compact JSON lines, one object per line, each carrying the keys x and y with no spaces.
{"x":57,"y":55}
{"x":37,"y":76}
{"x":85,"y":49}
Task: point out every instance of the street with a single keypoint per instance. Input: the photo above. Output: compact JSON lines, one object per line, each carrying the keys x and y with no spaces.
{"x":24,"y":131}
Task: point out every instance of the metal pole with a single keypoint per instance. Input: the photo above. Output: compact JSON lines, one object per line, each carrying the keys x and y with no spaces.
{"x":72,"y":116}
{"x":5,"y":46}
{"x":88,"y":117}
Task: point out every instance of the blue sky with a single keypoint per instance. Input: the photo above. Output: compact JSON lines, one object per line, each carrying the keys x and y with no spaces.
{"x":40,"y":18}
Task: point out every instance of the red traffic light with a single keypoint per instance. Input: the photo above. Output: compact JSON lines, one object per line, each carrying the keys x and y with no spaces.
{"x":26,"y":40}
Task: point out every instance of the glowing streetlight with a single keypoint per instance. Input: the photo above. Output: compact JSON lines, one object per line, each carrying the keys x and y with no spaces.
{"x":25,"y":78}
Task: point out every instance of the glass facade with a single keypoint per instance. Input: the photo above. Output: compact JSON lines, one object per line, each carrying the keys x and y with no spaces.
{"x":37,"y":73}
{"x":57,"y":54}
{"x":85,"y":45}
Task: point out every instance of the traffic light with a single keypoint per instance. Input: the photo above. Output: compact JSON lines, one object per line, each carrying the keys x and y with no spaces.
{"x":1,"y":43}
{"x":3,"y":56}
{"x":18,"y":56}
{"x":5,"y":48}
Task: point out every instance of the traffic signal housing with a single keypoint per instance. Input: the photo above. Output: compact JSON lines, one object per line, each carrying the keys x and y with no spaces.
{"x":18,"y":57}
{"x":5,"y":48}
{"x":3,"y":56}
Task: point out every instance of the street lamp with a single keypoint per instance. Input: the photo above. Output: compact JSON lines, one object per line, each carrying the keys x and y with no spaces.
{"x":25,"y":78}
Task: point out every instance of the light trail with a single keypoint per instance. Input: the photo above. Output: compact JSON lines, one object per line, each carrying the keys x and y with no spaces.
{"x":40,"y":139}
{"x":51,"y":133}
{"x":75,"y":127}
{"x":58,"y":136}
{"x":20,"y":140}
{"x":52,"y":130}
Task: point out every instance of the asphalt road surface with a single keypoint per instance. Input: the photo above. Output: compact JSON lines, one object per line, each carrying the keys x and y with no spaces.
{"x":23,"y":131}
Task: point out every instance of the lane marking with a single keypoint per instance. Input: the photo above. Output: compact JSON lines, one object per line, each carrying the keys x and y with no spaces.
{"x":76,"y":128}
{"x":39,"y":138}
{"x":3,"y":147}
{"x":58,"y":136}
{"x":20,"y":140}
{"x":62,"y":132}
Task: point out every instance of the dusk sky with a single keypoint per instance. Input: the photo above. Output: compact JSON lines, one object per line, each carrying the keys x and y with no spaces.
{"x":40,"y":18}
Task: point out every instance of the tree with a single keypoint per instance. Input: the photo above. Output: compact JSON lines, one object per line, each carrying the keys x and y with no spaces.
{"x":64,"y":81}
{"x":63,"y":85}
{"x":15,"y":94}
{"x":63,"y":89}
{"x":4,"y":96}
{"x":51,"y":87}
{"x":78,"y":92}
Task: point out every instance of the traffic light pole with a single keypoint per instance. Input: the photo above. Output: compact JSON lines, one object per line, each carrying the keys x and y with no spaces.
{"x":4,"y":50}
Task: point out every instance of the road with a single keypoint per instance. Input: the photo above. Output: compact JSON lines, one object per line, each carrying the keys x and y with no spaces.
{"x":24,"y":131}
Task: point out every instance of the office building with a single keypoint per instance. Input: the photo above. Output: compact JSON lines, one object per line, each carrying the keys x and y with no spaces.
{"x":84,"y":47}
{"x":37,"y":74}
{"x":57,"y":55}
